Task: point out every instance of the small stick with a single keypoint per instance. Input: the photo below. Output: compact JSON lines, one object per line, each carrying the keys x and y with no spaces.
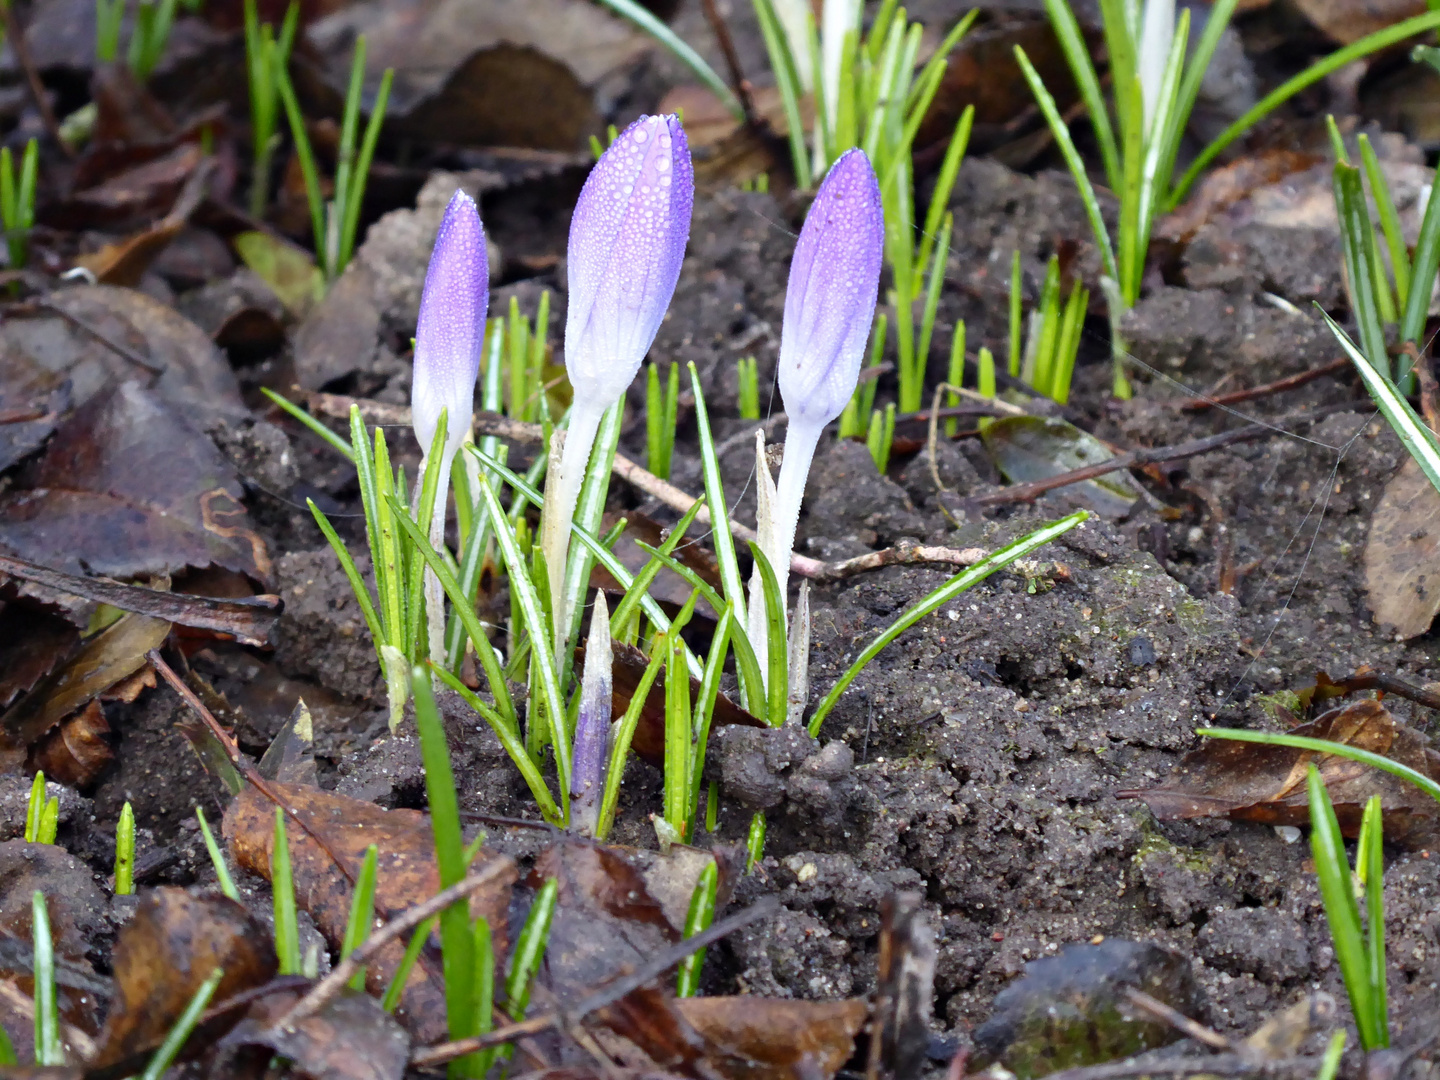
{"x":738,"y":82}
{"x":1290,"y":382}
{"x":1182,"y":1023}
{"x":1032,"y":490}
{"x":608,"y":995}
{"x":16,"y":34}
{"x":339,"y":975}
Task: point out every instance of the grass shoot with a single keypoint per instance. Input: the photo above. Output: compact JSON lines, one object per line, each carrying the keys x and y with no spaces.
{"x":49,"y":1049}
{"x":265,"y":55}
{"x":747,"y":379}
{"x":125,"y":851}
{"x":661,"y":414}
{"x":217,"y":860}
{"x":699,"y":917}
{"x":17,"y":201}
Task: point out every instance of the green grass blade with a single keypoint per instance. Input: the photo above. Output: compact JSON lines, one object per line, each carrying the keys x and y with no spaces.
{"x":945,"y":185}
{"x":1423,"y":268}
{"x":456,"y":944}
{"x":629,"y":606}
{"x":788,"y":82}
{"x":217,"y":860}
{"x":1332,"y":870}
{"x":932,"y":295}
{"x":525,"y":960}
{"x":1370,"y":858}
{"x":1077,"y":55}
{"x":642,"y":18}
{"x":1195,"y":68}
{"x":355,"y":198}
{"x":282,"y":885}
{"x":777,"y":682}
{"x":306,"y":156}
{"x":1381,"y":39}
{"x":624,"y":732}
{"x":962,"y":581}
{"x":1330,"y":1064}
{"x":678,"y":738}
{"x":697,"y":919}
{"x":362,"y":912}
{"x":35,"y":808}
{"x":1073,"y":160}
{"x":1325,"y":746}
{"x":1357,"y":241}
{"x":352,"y":574}
{"x":125,"y":851}
{"x":180,"y":1033}
{"x":49,"y":1050}
{"x":513,"y":744}
{"x":731,"y":582}
{"x":755,"y":841}
{"x":391,"y":1001}
{"x":1418,"y":439}
{"x":310,"y":422}
{"x":705,"y":703}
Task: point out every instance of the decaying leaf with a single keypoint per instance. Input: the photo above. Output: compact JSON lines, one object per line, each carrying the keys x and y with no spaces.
{"x":1400,"y":555}
{"x":1223,"y":187}
{"x":350,"y":1038}
{"x":33,"y":642}
{"x":289,"y":270}
{"x":168,"y":948}
{"x":32,"y":400}
{"x":407,"y":875}
{"x":116,"y":653}
{"x":75,"y":753}
{"x":1028,"y":448}
{"x":129,"y":487}
{"x":1346,"y":20}
{"x":1254,"y":782}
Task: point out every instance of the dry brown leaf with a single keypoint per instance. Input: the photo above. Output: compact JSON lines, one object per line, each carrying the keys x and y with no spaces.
{"x":168,"y":948}
{"x":1255,"y":782}
{"x":75,"y":753}
{"x":1400,"y":555}
{"x":407,"y":876}
{"x":349,"y":1038}
{"x":1350,"y":20}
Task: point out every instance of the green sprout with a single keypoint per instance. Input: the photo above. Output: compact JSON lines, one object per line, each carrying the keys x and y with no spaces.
{"x":181,"y":1030}
{"x":17,"y":201}
{"x":282,"y":884}
{"x":955,"y":375}
{"x":1359,"y":950}
{"x":880,"y":437}
{"x":755,"y":841}
{"x":362,"y":912}
{"x":528,"y":350}
{"x":334,"y":223}
{"x":125,"y":851}
{"x":49,"y":1049}
{"x":1154,"y":90}
{"x":747,"y":379}
{"x":1053,"y":340}
{"x":698,"y":918}
{"x":222,"y":872}
{"x":661,"y":413}
{"x":42,"y":814}
{"x":109,"y":17}
{"x":264,"y":55}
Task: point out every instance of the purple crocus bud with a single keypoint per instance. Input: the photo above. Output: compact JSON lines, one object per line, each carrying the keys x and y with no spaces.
{"x":627,"y":240}
{"x":592,"y":723}
{"x":451,"y":330}
{"x":829,"y":306}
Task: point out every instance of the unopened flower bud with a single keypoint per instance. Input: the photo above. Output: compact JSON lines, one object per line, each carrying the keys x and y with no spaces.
{"x":451,"y":329}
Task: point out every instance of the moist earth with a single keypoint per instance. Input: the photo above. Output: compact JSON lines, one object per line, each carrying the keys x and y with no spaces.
{"x":977,"y":759}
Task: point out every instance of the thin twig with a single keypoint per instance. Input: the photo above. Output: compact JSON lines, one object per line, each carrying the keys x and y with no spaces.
{"x":934,"y":418}
{"x":738,"y":82}
{"x":118,"y":348}
{"x":332,"y":984}
{"x":16,"y":35}
{"x":1290,"y":382}
{"x":1033,"y":489}
{"x":242,"y":764}
{"x":1182,"y":1023}
{"x":607,"y":995}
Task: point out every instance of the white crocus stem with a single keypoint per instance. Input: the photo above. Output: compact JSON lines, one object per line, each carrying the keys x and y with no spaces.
{"x":1157,"y":31}
{"x":434,"y":595}
{"x":778,"y":540}
{"x":555,"y":533}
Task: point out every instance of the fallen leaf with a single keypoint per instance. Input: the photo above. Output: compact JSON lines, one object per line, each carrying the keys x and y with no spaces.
{"x":33,"y":642}
{"x":171,"y":945}
{"x":1255,"y":782}
{"x":407,"y":876}
{"x":125,"y":261}
{"x":287,"y":268}
{"x":1223,"y":187}
{"x":32,"y":400}
{"x":115,"y":653}
{"x":129,"y":487}
{"x":1346,"y":20}
{"x":140,"y":191}
{"x":1026,"y":448}
{"x":1400,"y":554}
{"x":475,"y":106}
{"x":350,"y":1038}
{"x":77,"y":751}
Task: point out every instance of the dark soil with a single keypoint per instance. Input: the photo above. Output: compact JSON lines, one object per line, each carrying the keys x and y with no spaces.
{"x":977,"y":759}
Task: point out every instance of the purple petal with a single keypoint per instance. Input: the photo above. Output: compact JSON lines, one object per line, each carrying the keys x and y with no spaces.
{"x":451,"y":330}
{"x":627,"y":240}
{"x":830,"y":300}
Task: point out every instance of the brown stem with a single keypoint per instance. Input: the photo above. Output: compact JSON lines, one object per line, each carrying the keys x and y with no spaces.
{"x":1290,"y":382}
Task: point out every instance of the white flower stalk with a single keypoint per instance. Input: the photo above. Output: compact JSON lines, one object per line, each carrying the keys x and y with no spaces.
{"x":592,"y":724}
{"x":448,"y":339}
{"x":829,"y":306}
{"x":627,"y":240}
{"x":1157,"y":33}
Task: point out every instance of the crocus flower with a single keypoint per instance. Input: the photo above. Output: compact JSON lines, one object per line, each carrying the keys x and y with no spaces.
{"x":829,"y":306}
{"x":592,"y":722}
{"x":448,"y":339}
{"x":627,"y":240}
{"x":1157,"y":34}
